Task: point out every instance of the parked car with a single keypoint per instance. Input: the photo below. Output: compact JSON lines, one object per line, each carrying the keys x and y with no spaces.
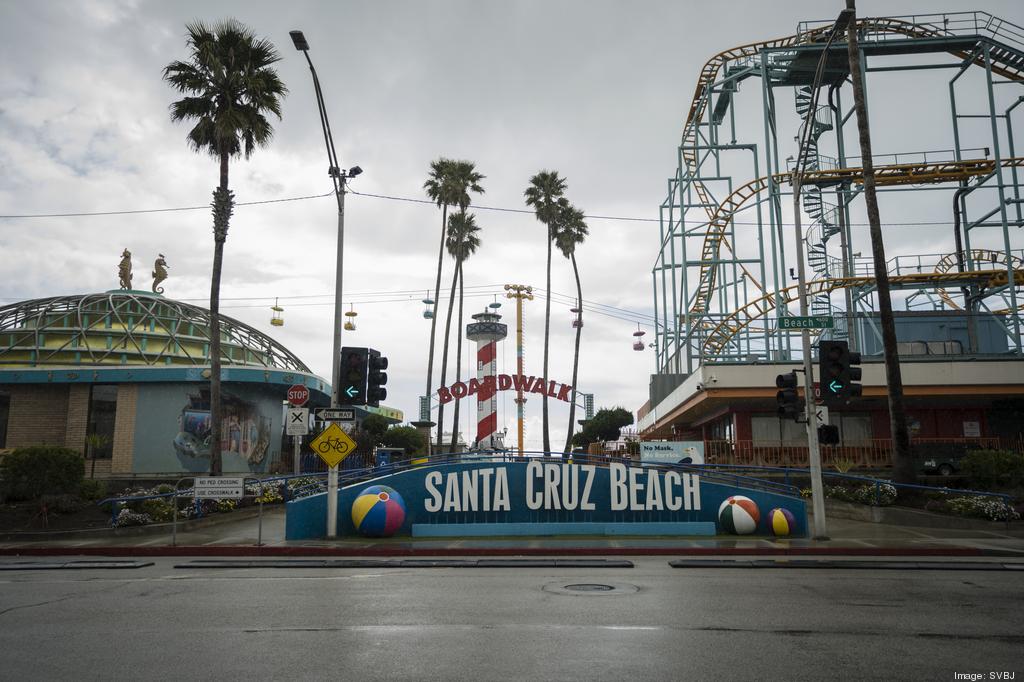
{"x":944,"y":459}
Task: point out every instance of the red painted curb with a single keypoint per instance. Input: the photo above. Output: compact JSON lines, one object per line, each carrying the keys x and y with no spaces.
{"x":369,"y":551}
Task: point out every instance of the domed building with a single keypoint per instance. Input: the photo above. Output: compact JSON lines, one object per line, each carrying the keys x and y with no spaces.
{"x":123,"y":376}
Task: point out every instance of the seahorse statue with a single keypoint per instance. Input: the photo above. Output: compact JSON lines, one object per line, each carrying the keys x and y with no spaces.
{"x":159,"y":273}
{"x":124,"y":269}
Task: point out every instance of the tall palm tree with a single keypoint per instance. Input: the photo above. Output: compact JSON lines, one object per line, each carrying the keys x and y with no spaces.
{"x":450,"y":182}
{"x":570,"y":232}
{"x":230,"y":87}
{"x":546,"y":188}
{"x":442,"y":191}
{"x":462,"y":243}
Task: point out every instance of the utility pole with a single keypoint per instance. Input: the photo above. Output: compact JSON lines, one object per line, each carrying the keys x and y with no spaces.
{"x":519,"y":292}
{"x":903,"y":464}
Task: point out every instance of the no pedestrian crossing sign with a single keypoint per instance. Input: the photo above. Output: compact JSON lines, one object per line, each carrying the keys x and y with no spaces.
{"x":333,"y":445}
{"x":219,"y":487}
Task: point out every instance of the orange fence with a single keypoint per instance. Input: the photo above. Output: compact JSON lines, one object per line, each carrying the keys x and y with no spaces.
{"x":868,"y":454}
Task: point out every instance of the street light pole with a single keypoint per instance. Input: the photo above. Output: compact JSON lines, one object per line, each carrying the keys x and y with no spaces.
{"x":340,"y":178}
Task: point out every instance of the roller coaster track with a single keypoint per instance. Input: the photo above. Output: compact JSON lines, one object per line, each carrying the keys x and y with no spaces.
{"x":729,"y":326}
{"x":1008,"y":66}
{"x":895,"y":174}
{"x":948,"y":262}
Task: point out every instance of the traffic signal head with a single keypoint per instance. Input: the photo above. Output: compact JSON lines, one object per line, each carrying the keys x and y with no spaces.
{"x":787,"y":397}
{"x":353,"y":375}
{"x":376,"y":378}
{"x":828,"y":434}
{"x":837,"y":372}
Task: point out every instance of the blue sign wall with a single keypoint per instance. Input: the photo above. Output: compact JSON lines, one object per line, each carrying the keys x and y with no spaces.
{"x":544,"y":497}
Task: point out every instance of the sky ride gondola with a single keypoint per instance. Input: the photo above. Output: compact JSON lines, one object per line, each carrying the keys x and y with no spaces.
{"x":638,"y":343}
{"x":276,"y":320}
{"x":350,"y":321}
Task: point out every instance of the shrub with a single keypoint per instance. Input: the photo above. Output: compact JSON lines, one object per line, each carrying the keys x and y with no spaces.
{"x":989,"y":469}
{"x":126,"y":517}
{"x":863,"y":494}
{"x":163,"y":489}
{"x":92,"y":490}
{"x":62,"y":504}
{"x":992,"y":508}
{"x":158,"y":509}
{"x":29,"y":473}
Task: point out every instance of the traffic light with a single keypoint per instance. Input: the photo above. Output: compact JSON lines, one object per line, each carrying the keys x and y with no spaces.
{"x":353,"y":375}
{"x":789,"y":400}
{"x":828,"y":434}
{"x":838,"y":372}
{"x":376,"y":378}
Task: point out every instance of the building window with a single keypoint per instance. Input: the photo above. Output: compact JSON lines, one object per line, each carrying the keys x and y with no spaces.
{"x":102,"y":410}
{"x":772,"y":430}
{"x":5,"y":411}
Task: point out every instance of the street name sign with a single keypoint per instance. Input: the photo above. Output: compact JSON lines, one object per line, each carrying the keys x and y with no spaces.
{"x":219,"y":487}
{"x":333,"y":414}
{"x":297,"y":421}
{"x":333,"y":445}
{"x":298,"y":395}
{"x":807,"y":322}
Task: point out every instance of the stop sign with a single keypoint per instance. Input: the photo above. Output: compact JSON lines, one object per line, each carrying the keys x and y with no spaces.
{"x":298,"y":395}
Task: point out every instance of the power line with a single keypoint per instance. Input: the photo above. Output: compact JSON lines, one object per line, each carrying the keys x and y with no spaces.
{"x":389,"y":197}
{"x":160,"y":210}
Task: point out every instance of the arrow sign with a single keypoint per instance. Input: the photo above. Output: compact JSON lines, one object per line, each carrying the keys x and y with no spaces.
{"x":835,"y":386}
{"x":351,"y":391}
{"x":329,"y":414}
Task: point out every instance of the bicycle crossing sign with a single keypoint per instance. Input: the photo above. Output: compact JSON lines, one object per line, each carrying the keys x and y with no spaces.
{"x":333,"y":445}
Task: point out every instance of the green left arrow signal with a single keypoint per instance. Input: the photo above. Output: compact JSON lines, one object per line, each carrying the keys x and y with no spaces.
{"x":835,"y":386}
{"x":351,"y":391}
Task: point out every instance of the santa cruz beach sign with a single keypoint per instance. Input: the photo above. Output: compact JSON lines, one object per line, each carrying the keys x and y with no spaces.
{"x":546,"y":497}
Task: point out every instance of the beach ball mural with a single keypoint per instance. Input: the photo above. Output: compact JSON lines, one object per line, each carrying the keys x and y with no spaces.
{"x":378,"y":511}
{"x":781,"y":521}
{"x":738,"y":515}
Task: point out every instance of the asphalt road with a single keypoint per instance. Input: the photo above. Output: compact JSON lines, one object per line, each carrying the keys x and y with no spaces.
{"x":658,"y":623}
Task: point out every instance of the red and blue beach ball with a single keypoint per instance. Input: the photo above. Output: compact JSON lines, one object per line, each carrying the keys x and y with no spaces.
{"x":378,"y":511}
{"x":738,"y":515}
{"x":781,"y":521}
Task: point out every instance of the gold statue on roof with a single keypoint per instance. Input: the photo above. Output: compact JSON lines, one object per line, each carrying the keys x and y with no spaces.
{"x":124,"y":269}
{"x":159,"y":273}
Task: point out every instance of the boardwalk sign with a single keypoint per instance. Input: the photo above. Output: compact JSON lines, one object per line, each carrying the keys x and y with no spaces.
{"x":485,"y":388}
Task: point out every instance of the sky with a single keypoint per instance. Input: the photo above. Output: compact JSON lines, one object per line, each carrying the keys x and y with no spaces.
{"x":596,"y":90}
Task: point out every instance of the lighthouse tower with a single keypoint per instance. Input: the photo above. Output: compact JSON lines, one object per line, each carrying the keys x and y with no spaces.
{"x":487,"y":331}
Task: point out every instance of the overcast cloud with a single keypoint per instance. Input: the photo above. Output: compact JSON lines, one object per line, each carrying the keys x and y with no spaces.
{"x":595,"y":90}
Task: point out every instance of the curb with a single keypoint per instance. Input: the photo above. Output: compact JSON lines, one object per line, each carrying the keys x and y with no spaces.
{"x":370,"y":551}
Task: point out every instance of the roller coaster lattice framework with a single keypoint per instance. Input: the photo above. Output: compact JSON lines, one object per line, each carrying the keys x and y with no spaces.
{"x":723,"y":305}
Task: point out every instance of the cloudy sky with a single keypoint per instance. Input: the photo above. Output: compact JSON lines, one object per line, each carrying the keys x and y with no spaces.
{"x":596,"y":90}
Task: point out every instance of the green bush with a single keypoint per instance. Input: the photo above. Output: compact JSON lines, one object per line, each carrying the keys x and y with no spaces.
{"x":993,"y":469}
{"x":160,"y":510}
{"x":29,"y":473}
{"x":92,"y":490}
{"x":62,"y":504}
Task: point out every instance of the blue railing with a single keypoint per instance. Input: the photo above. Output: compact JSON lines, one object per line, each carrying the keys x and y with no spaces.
{"x":1006,"y":499}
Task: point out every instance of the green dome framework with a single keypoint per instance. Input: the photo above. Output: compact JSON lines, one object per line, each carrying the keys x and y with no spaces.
{"x":129,"y":328}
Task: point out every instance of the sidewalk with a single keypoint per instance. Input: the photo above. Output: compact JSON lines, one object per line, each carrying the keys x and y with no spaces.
{"x":239,"y":538}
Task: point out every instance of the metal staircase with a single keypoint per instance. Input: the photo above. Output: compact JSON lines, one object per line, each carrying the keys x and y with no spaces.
{"x":823,"y":214}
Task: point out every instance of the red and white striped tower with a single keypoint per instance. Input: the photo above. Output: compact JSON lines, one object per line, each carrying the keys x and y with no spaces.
{"x":487,"y":331}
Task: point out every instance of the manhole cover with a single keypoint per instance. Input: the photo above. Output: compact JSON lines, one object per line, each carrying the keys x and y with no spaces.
{"x":590,"y":587}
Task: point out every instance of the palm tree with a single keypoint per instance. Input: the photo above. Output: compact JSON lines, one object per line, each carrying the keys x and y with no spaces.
{"x":570,"y":232}
{"x":230,"y":87}
{"x":545,"y":189}
{"x":462,"y":243}
{"x":442,"y":191}
{"x":449,"y":184}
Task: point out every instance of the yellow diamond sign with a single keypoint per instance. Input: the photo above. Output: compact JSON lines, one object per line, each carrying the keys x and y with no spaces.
{"x":333,"y":445}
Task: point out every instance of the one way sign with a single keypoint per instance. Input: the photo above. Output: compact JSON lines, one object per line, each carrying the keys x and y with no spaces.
{"x":297,"y":421}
